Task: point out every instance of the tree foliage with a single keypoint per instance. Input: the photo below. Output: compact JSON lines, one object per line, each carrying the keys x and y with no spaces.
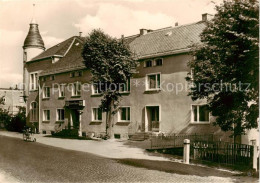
{"x":225,"y":66}
{"x":111,"y":63}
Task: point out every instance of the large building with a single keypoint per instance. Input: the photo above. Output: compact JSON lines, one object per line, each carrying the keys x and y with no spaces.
{"x":11,"y":99}
{"x":60,"y":93}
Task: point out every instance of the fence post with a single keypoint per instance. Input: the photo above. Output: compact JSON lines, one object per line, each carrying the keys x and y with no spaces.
{"x":255,"y":157}
{"x":186,"y":151}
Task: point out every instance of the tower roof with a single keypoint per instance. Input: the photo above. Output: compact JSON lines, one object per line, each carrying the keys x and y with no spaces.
{"x":33,"y":38}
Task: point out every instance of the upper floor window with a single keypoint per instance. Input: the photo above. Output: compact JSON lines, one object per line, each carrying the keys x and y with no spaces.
{"x":33,"y":84}
{"x":148,"y":63}
{"x":96,"y":88}
{"x":60,"y":115}
{"x":96,"y":114}
{"x":46,"y":92}
{"x":158,"y":62}
{"x":76,"y":89}
{"x":61,"y":90}
{"x":52,"y":77}
{"x":34,"y":112}
{"x":78,"y":73}
{"x":124,"y":114}
{"x":153,"y":81}
{"x":200,"y":113}
{"x":46,"y":115}
{"x":124,"y":87}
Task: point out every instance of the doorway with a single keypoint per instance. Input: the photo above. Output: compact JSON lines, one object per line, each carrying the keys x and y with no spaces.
{"x":152,"y":119}
{"x":74,"y":118}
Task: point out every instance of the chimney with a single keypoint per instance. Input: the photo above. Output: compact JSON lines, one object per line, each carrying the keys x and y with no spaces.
{"x":176,"y":24}
{"x":143,"y":31}
{"x":206,"y":17}
{"x":122,"y":36}
{"x":80,"y":34}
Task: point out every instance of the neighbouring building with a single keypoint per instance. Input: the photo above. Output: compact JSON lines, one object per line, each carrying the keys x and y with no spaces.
{"x":60,"y":93}
{"x":11,"y":99}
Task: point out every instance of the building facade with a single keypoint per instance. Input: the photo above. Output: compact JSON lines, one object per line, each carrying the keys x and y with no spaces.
{"x":11,"y":99}
{"x":61,"y":95}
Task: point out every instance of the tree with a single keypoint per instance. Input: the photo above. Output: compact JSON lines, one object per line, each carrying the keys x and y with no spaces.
{"x":111,"y":63}
{"x":225,"y":66}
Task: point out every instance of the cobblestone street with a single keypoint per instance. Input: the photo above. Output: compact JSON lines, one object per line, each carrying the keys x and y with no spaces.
{"x":33,"y":162}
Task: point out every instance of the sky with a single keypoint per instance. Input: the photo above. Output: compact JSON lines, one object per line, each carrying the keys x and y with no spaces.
{"x":60,"y":19}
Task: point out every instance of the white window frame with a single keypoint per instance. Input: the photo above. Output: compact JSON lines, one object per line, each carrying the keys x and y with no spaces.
{"x":34,"y":114}
{"x":192,"y":114}
{"x":155,"y":62}
{"x":52,"y":77}
{"x":61,"y":86}
{"x":119,"y":114}
{"x":45,"y":115}
{"x":95,"y":91}
{"x":76,"y":92}
{"x":33,"y":85}
{"x":93,"y":114}
{"x":45,"y":92}
{"x":156,"y":79}
{"x":128,"y":86}
{"x":148,"y":61}
{"x":58,"y":114}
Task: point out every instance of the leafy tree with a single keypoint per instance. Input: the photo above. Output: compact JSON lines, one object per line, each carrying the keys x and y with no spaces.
{"x":225,"y":66}
{"x":111,"y":63}
{"x":18,"y":121}
{"x":5,"y":118}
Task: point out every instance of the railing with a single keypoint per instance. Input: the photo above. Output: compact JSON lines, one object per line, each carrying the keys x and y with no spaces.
{"x":176,"y":140}
{"x":223,"y":152}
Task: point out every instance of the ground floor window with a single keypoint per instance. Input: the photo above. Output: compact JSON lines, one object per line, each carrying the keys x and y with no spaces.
{"x":200,"y":113}
{"x":96,"y":114}
{"x":46,"y":115}
{"x":60,"y":115}
{"x":124,"y":114}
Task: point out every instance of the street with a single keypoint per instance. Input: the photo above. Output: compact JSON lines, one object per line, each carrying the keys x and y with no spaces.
{"x":35,"y":162}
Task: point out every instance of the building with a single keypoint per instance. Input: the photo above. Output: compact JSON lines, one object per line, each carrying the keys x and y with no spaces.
{"x":11,"y":99}
{"x":60,"y":92}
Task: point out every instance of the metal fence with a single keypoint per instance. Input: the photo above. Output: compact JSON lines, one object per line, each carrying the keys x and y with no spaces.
{"x":223,"y":152}
{"x":176,"y":140}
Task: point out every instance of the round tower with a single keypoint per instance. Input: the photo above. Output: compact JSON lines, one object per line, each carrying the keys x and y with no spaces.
{"x":33,"y":43}
{"x":33,"y":46}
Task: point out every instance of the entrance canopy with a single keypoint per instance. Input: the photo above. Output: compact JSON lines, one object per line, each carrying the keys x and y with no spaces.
{"x":75,"y":104}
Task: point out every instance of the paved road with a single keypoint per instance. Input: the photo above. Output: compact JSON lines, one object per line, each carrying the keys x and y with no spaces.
{"x":34,"y":162}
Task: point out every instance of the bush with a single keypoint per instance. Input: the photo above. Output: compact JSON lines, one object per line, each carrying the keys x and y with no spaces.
{"x":66,"y":133}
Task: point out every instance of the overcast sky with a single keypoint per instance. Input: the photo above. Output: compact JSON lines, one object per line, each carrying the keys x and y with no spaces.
{"x":61,"y":19}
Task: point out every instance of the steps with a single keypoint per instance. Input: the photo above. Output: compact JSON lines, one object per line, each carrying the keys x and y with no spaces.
{"x":139,"y":136}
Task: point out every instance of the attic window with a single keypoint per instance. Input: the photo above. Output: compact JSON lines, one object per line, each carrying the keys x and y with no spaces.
{"x":77,"y":44}
{"x":168,"y":33}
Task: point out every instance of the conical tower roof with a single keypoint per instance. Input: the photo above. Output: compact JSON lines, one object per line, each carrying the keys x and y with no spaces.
{"x":33,"y":38}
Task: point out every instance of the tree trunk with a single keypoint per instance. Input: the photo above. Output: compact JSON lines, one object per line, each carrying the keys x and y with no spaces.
{"x":110,"y":122}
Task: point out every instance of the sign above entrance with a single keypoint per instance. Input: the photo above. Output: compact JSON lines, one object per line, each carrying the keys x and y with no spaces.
{"x":75,"y":103}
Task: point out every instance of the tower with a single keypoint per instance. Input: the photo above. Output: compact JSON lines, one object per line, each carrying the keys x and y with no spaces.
{"x":33,"y":46}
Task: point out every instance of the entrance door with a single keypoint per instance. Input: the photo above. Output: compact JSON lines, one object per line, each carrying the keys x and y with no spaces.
{"x":153,"y":115}
{"x":74,"y":118}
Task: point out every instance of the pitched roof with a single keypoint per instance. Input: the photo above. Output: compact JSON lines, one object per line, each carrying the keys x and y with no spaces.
{"x":167,"y":41}
{"x":160,"y":42}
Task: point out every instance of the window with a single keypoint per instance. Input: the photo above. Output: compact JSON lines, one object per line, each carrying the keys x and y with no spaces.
{"x":43,"y":78}
{"x":34,"y":112}
{"x":200,"y":113}
{"x":46,"y":115}
{"x":60,"y":115}
{"x":124,"y":87}
{"x":158,"y":62}
{"x":46,"y":92}
{"x":96,"y":88}
{"x":78,"y":74}
{"x":72,"y":74}
{"x":52,"y":77}
{"x":21,"y":100}
{"x":62,"y":90}
{"x":33,"y":85}
{"x":124,"y":114}
{"x":148,"y":63}
{"x":153,"y":82}
{"x":76,"y":89}
{"x":96,"y":114}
